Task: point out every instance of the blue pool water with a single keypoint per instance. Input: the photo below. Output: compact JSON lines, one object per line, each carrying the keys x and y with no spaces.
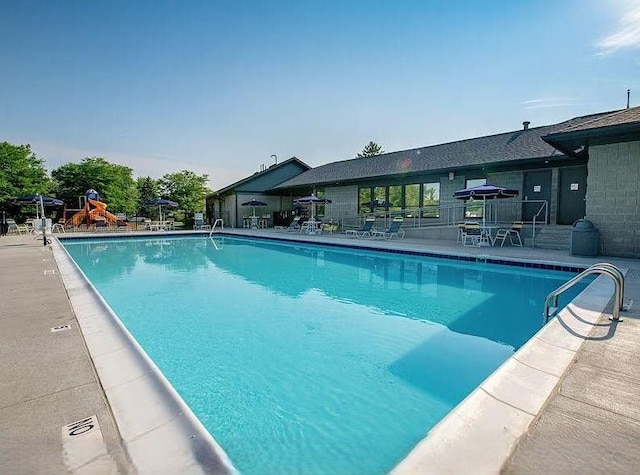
{"x":310,"y":359}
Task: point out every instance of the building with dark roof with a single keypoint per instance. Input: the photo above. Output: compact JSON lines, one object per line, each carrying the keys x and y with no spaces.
{"x":564,"y":172}
{"x":611,"y":145}
{"x":226,"y":203}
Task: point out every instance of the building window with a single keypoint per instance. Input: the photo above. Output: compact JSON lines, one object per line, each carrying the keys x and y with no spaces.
{"x":431,"y":200}
{"x":364,"y":200}
{"x":411,"y":199}
{"x":379,"y":203}
{"x":395,"y":198}
{"x":473,"y":208}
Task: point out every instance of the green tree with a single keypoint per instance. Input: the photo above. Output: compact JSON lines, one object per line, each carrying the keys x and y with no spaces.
{"x":370,"y":150}
{"x":113,"y":182}
{"x":186,"y":188}
{"x":147,"y":190}
{"x":21,"y":172}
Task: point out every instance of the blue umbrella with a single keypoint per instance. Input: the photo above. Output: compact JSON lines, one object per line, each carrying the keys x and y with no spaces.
{"x":160,"y":202}
{"x":485,"y":192}
{"x":38,"y":200}
{"x":314,"y":200}
{"x":254,"y":203}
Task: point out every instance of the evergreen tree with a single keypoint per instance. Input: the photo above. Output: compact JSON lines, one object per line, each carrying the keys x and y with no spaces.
{"x":370,"y":150}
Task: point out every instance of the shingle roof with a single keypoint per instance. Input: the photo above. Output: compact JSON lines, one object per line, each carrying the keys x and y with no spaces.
{"x":624,"y":116}
{"x":574,"y":139}
{"x":493,"y":149}
{"x":271,"y":169}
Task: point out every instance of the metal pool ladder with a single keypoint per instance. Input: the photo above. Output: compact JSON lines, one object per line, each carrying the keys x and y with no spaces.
{"x":551,"y":303}
{"x":217,"y":221}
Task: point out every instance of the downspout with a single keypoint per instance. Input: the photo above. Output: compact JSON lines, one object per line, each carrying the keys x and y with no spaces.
{"x":235,"y":224}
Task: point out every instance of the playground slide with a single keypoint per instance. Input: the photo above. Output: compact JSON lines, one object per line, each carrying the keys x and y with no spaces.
{"x":100,"y":209}
{"x":77,"y":218}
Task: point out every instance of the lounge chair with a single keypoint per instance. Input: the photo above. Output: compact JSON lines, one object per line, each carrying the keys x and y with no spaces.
{"x":395,"y":230}
{"x":512,"y":233}
{"x":294,"y":226}
{"x":365,"y":231}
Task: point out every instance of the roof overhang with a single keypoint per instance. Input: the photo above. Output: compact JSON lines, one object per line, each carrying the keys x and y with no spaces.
{"x":576,"y":143}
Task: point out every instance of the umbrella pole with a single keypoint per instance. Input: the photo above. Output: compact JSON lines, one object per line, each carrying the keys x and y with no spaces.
{"x":484,"y":212}
{"x":44,"y":223}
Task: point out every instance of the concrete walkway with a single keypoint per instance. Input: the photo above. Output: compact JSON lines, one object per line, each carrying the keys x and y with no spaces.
{"x":47,"y":380}
{"x":592,"y":425}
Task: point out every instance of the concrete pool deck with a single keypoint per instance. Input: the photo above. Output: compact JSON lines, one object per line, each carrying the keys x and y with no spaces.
{"x":48,"y":382}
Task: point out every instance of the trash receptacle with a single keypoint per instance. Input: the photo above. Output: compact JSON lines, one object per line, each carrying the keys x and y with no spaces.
{"x":585,"y":239}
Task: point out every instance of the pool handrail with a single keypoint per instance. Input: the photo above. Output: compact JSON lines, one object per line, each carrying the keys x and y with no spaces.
{"x":599,"y":268}
{"x":215,"y":223}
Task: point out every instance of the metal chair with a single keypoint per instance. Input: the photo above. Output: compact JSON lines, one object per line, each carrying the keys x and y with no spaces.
{"x":513,"y":232}
{"x":472,"y":232}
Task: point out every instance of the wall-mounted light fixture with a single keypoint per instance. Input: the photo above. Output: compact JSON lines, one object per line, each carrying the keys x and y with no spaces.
{"x":451,"y":176}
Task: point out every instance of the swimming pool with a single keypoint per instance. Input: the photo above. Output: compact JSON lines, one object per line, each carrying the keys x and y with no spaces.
{"x":301,"y":358}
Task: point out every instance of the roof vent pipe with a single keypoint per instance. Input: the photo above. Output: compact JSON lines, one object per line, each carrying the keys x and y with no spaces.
{"x":525,"y":125}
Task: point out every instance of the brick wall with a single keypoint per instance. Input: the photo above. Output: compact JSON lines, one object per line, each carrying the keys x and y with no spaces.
{"x":613,"y":197}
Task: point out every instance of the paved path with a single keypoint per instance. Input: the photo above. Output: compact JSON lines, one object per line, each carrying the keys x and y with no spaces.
{"x":593,"y":423}
{"x":47,"y":381}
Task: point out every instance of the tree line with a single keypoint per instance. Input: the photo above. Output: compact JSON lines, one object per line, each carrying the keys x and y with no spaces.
{"x":23,"y":173}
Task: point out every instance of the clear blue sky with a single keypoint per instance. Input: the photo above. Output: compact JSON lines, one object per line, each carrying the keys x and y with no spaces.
{"x":218,"y":87}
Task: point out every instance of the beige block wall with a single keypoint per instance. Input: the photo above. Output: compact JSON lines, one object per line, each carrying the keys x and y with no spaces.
{"x":344,"y":202}
{"x":613,"y":197}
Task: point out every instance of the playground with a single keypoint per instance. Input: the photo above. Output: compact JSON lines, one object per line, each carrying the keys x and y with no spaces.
{"x":94,"y":213}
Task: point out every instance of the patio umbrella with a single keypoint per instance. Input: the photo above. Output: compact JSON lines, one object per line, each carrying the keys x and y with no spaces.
{"x":160,"y":202}
{"x":39,"y":201}
{"x":314,"y":200}
{"x":254,"y":203}
{"x":485,"y":192}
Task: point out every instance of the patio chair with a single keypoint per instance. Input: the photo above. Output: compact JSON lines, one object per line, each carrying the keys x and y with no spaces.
{"x":472,"y":233}
{"x":294,"y":226}
{"x":198,"y":221}
{"x":365,"y":231}
{"x":12,"y":226}
{"x":330,"y":228}
{"x":513,"y":232}
{"x":395,"y":230}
